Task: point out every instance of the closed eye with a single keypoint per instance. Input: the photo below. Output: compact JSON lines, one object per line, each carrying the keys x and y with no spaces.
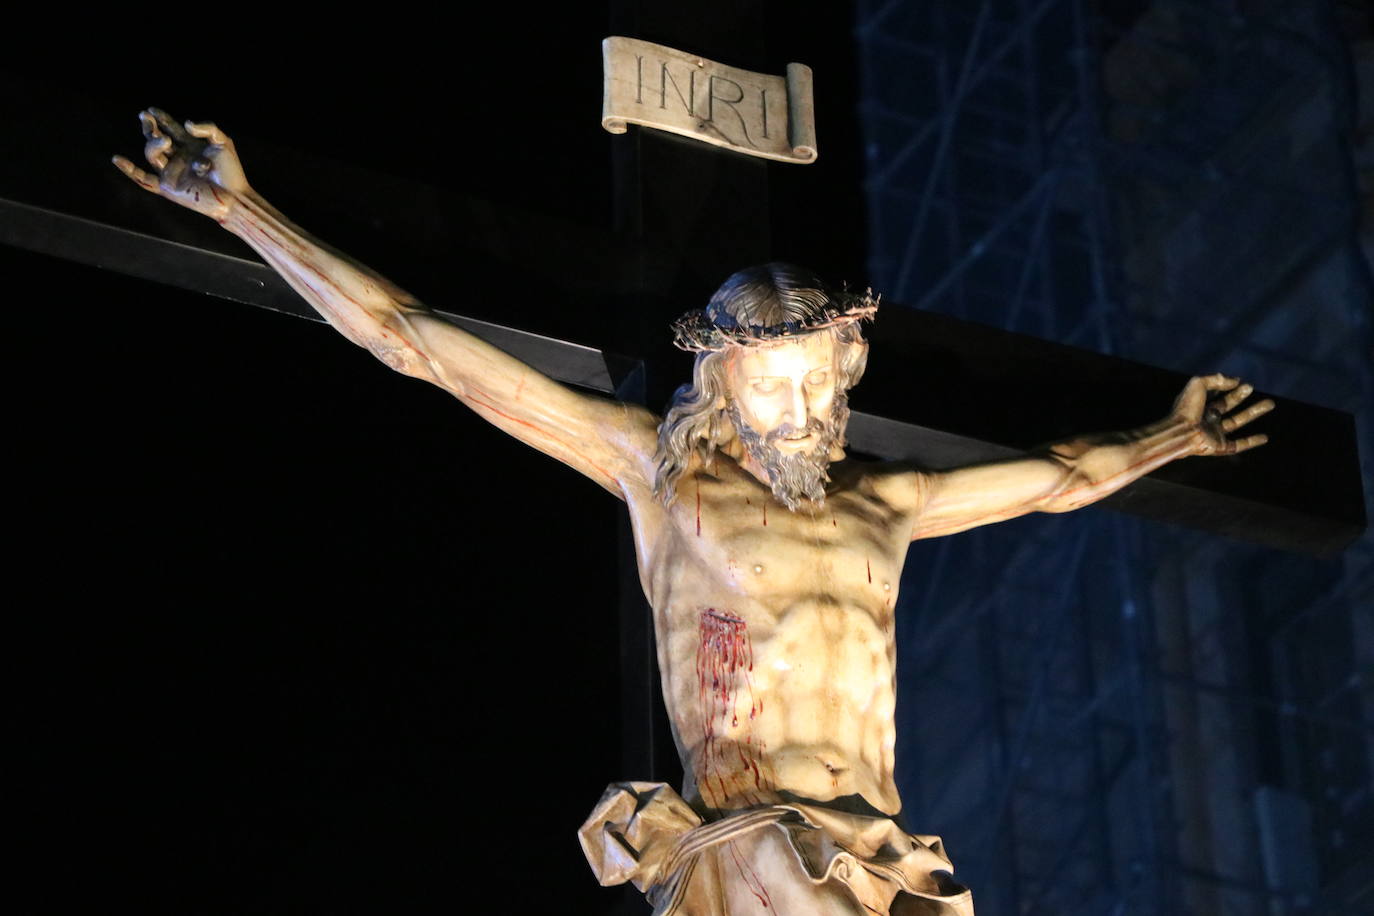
{"x":766,"y":385}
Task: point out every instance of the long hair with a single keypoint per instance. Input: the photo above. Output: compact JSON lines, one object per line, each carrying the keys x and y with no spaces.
{"x":761,"y":297}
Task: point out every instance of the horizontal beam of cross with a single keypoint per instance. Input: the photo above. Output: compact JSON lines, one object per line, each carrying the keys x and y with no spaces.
{"x":934,"y":359}
{"x":939,"y":391}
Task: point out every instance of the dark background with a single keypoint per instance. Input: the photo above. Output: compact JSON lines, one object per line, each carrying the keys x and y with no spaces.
{"x":292,"y":634}
{"x":300,"y":633}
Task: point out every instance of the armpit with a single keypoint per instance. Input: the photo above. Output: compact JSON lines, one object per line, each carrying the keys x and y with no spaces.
{"x":901,"y":485}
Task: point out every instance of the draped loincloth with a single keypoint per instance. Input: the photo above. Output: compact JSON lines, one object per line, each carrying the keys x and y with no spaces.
{"x":792,"y":857}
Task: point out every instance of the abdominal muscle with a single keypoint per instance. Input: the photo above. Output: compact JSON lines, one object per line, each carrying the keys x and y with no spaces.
{"x":801,"y":706}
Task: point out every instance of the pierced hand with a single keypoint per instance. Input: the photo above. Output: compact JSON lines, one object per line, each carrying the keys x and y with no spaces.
{"x":1207,"y":404}
{"x":194,"y":165}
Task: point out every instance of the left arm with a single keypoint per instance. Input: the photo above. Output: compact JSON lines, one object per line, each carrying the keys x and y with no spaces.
{"x":1072,"y":474}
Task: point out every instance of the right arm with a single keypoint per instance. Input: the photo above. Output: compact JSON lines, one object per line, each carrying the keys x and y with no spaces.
{"x":612,"y":443}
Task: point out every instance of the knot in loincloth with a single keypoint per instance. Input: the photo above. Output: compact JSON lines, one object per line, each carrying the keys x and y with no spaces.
{"x":643,"y":832}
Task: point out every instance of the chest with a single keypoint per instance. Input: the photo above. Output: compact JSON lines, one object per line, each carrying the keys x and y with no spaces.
{"x":729,"y":530}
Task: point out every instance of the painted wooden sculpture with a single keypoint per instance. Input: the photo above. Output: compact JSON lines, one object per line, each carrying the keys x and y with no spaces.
{"x":771,"y":560}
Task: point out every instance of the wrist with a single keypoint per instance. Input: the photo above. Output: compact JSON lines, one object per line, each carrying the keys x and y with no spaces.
{"x":244,"y":210}
{"x":231,"y":217}
{"x":1179,"y":435}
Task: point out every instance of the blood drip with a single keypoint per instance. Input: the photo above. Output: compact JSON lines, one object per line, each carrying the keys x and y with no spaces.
{"x":751,"y":879}
{"x":725,"y":658}
{"x":698,"y":508}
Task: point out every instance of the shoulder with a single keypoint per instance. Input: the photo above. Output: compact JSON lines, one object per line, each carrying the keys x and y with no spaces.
{"x":641,"y":420}
{"x":901,"y":484}
{"x":632,"y":430}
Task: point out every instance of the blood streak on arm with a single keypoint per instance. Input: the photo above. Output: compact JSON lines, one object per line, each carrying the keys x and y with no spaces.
{"x":284,"y":259}
{"x":1168,"y":448}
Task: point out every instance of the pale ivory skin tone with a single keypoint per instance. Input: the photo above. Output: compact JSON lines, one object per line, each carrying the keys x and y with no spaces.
{"x":774,"y":628}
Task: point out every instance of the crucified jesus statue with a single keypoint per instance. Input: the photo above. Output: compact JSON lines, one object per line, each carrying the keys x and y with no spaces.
{"x":771,"y":559}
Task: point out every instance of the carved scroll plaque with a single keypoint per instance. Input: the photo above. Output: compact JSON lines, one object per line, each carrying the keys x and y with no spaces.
{"x":753,"y":113}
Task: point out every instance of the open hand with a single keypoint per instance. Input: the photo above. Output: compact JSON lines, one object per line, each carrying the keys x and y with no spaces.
{"x":194,"y":165}
{"x":1209,"y":404}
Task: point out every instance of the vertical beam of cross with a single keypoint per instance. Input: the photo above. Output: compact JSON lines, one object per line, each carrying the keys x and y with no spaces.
{"x":712,"y":205}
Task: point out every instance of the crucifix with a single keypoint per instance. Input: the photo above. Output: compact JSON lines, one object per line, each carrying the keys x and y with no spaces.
{"x":880,"y":432}
{"x":776,"y":643}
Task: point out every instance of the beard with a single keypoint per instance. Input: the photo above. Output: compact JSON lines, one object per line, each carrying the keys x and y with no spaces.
{"x":795,"y":477}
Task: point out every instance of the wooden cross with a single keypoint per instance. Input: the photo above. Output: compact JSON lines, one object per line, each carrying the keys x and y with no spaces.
{"x":589,"y":302}
{"x":938,"y":390}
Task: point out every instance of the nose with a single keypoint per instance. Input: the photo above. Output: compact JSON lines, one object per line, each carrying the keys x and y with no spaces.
{"x":797,"y":412}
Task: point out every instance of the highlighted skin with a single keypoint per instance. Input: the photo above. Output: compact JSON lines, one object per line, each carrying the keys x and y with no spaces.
{"x":774,"y":629}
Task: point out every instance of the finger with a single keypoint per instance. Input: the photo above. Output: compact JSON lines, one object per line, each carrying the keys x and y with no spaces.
{"x":1219,"y":382}
{"x":142,"y":178}
{"x":1193,"y":397}
{"x":150,"y":128}
{"x":155,"y":151}
{"x":168,"y":125}
{"x":206,"y":130}
{"x":1249,"y":442}
{"x":175,"y":174}
{"x":1246,"y":415}
{"x":1234,"y":398}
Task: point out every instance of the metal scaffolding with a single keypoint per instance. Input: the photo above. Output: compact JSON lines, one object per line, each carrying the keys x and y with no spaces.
{"x":1104,"y":715}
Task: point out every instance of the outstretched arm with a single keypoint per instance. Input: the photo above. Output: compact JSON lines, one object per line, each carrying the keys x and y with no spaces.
{"x":1070,"y":475}
{"x":196,"y":166}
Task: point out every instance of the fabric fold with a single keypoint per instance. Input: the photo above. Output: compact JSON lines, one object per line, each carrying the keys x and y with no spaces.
{"x":645,"y":833}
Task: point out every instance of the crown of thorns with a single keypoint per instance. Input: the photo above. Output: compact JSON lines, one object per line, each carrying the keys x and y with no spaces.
{"x":711,"y":328}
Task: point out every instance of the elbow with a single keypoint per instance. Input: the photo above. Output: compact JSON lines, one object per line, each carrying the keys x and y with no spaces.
{"x":392,"y":343}
{"x":1059,"y":506}
{"x":394,"y":353}
{"x":1072,"y":489}
{"x":1055,"y":505}
{"x":399,"y":358}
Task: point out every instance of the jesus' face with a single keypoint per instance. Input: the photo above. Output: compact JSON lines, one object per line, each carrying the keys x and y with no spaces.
{"x":788,"y":412}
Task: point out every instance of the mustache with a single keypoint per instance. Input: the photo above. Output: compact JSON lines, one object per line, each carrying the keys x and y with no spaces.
{"x":814,"y":425}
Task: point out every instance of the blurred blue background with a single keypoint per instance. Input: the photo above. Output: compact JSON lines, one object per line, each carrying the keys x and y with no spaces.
{"x":1105,"y":715}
